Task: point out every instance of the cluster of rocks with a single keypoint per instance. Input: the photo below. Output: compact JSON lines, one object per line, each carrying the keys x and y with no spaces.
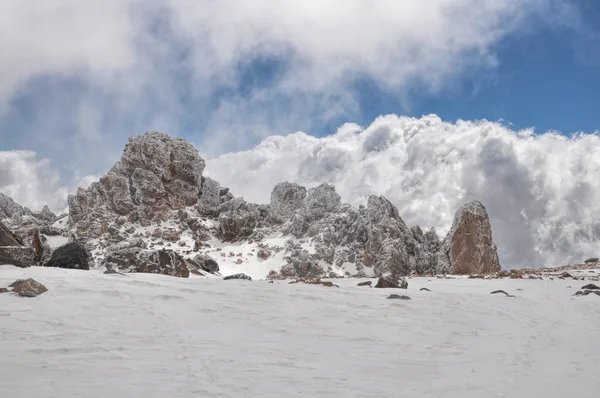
{"x":156,"y":212}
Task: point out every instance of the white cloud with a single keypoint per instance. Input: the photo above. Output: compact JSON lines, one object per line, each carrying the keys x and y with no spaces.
{"x":542,"y":191}
{"x":34,"y":182}
{"x":145,"y":61}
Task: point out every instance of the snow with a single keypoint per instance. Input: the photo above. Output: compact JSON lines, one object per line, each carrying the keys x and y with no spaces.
{"x":95,"y":335}
{"x":57,"y":241}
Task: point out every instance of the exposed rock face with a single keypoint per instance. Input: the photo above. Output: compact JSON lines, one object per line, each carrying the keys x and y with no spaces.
{"x":19,"y":256}
{"x":237,"y":220}
{"x":7,"y":238}
{"x":28,"y":288}
{"x":468,"y":248}
{"x":156,"y":173}
{"x":127,"y":259}
{"x":9,"y":208}
{"x":73,"y":255}
{"x":286,"y":198}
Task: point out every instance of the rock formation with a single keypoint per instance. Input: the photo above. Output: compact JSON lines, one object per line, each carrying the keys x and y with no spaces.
{"x":468,"y":248}
{"x":156,"y":212}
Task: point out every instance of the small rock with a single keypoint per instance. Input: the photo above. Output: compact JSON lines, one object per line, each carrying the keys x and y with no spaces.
{"x":239,"y":261}
{"x":4,"y":290}
{"x":424,"y":289}
{"x":591,"y":286}
{"x":502,"y":291}
{"x":592,"y":260}
{"x":566,"y":275}
{"x":238,"y":276}
{"x":28,"y":288}
{"x":398,"y":297}
{"x":366,"y":283}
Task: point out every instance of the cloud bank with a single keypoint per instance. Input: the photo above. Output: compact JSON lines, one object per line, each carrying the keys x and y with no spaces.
{"x":81,"y":76}
{"x":542,"y":191}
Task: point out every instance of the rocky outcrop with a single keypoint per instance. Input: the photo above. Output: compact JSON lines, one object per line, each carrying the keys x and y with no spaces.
{"x":156,"y":174}
{"x":286,"y":198}
{"x":237,"y":220}
{"x":9,"y":208}
{"x":73,"y":255}
{"x":131,"y":258}
{"x":28,"y":288}
{"x":468,"y":247}
{"x":8,"y":238}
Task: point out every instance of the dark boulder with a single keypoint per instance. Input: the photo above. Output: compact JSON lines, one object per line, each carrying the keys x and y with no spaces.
{"x":238,"y":276}
{"x":73,"y":255}
{"x":18,"y":256}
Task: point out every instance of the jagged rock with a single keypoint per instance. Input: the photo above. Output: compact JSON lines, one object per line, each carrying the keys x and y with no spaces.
{"x":237,"y":220}
{"x":468,"y":247}
{"x":73,"y":255}
{"x":156,"y":174}
{"x":398,"y":297}
{"x":238,"y":276}
{"x":286,"y":198}
{"x":18,"y":256}
{"x":136,"y":259}
{"x":586,"y":292}
{"x":9,"y":208}
{"x":45,"y":215}
{"x":206,"y":263}
{"x":366,"y":283}
{"x":390,"y":240}
{"x":388,"y":282}
{"x":210,"y":197}
{"x":8,"y":238}
{"x":28,"y":288}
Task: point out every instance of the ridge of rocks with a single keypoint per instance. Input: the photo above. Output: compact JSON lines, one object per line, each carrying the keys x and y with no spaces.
{"x":154,"y":211}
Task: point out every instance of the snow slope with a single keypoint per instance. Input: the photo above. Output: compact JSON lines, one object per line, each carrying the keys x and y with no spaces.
{"x":95,"y":335}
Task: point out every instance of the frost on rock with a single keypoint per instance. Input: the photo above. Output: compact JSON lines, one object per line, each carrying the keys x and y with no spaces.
{"x":136,"y":259}
{"x":468,"y":247}
{"x":286,"y":198}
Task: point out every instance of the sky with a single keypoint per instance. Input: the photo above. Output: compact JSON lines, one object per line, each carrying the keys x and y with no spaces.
{"x":240,"y":77}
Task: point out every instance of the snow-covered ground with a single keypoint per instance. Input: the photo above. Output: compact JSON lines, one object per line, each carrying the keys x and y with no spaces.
{"x":95,"y":335}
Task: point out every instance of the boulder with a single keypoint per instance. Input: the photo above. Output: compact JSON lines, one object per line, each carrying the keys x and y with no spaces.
{"x":468,"y":248}
{"x":137,"y":259}
{"x":73,"y":255}
{"x":398,"y":297}
{"x":28,"y":288}
{"x":18,"y":256}
{"x":366,"y":283}
{"x":388,"y":282}
{"x":204,"y":262}
{"x":238,"y":276}
{"x":210,"y":197}
{"x":592,"y":260}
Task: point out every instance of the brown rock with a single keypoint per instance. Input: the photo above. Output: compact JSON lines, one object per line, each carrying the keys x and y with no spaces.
{"x":28,"y":288}
{"x":4,"y":290}
{"x":468,"y":247}
{"x":7,"y":238}
{"x":388,"y":282}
